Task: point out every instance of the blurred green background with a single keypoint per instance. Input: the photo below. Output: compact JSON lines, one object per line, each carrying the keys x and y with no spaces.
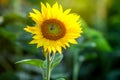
{"x":96,"y":57}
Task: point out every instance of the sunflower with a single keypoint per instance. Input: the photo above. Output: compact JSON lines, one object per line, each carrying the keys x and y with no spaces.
{"x":55,"y":29}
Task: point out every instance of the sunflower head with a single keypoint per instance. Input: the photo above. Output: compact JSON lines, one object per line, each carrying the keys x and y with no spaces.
{"x":54,"y":28}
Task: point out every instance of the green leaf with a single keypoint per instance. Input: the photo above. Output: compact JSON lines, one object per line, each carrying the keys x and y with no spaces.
{"x":57,"y":60}
{"x":60,"y":79}
{"x":34,"y":62}
{"x":44,"y":66}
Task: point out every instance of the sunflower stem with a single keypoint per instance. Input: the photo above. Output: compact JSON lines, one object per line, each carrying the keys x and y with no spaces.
{"x":48,"y":67}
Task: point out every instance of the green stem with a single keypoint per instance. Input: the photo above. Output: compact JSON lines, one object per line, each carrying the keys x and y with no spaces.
{"x":48,"y":67}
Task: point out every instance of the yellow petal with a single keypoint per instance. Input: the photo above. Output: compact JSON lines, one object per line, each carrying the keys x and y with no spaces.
{"x":33,"y":42}
{"x":72,"y":41}
{"x":67,"y":11}
{"x":39,"y":45}
{"x":67,"y":44}
{"x":43,"y":10}
{"x":55,"y":6}
{"x":61,"y":9}
{"x":59,"y":49}
{"x":49,"y":49}
{"x":31,"y":29}
{"x":53,"y":49}
{"x":37,"y":12}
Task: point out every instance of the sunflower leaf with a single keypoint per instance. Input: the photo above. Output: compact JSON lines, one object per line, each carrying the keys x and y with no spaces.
{"x":34,"y":62}
{"x":57,"y":60}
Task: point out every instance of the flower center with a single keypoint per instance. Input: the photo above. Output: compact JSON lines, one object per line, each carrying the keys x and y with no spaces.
{"x":53,"y":29}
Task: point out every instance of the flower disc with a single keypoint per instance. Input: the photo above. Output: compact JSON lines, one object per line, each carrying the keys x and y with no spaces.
{"x":53,"y":29}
